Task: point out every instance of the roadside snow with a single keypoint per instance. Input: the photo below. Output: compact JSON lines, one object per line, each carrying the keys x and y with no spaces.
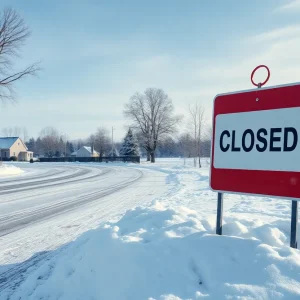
{"x":165,"y":253}
{"x":168,"y":250}
{"x":7,"y":170}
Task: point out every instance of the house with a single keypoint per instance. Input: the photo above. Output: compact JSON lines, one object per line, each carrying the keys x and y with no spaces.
{"x":73,"y":154}
{"x":14,"y":146}
{"x":87,"y":152}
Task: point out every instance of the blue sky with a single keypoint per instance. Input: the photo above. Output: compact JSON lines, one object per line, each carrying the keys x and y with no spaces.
{"x":96,"y":54}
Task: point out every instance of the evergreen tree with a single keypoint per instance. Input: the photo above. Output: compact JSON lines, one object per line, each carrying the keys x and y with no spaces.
{"x":130,"y":145}
{"x":71,"y":148}
{"x":60,"y":147}
{"x":38,"y":146}
{"x":31,"y":145}
{"x":57,"y":153}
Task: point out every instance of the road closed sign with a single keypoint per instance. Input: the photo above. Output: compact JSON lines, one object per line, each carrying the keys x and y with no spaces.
{"x":256,"y":142}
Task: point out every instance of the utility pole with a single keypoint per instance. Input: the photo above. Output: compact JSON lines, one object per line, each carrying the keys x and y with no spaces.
{"x":112,"y":140}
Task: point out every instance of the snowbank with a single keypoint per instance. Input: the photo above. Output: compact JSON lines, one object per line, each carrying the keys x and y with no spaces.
{"x":7,"y":170}
{"x":167,"y":254}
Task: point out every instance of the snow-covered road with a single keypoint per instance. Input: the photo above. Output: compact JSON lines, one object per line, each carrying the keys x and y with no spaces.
{"x":51,"y":204}
{"x":164,"y":249}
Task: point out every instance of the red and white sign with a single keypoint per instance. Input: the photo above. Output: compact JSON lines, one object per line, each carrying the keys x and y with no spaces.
{"x":256,"y":142}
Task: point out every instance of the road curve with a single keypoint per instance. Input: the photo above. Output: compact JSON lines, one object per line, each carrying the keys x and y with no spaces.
{"x":56,"y":203}
{"x":26,"y":201}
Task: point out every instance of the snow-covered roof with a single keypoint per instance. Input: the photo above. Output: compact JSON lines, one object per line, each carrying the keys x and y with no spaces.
{"x":7,"y":142}
{"x":90,"y":150}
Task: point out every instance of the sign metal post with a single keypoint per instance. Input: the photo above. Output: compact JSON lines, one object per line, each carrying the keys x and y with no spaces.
{"x":294,"y":224}
{"x":219,"y":214}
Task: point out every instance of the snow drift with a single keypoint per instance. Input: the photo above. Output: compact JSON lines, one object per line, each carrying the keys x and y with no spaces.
{"x":7,"y":170}
{"x":167,"y":253}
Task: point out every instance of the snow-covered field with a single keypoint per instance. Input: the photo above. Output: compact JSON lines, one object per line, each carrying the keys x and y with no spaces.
{"x":163,"y":247}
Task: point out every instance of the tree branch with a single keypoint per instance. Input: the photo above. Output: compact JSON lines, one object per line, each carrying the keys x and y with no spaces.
{"x":13,"y":33}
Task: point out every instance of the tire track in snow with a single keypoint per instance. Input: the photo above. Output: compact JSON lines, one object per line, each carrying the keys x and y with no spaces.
{"x":27,"y":177}
{"x":17,"y":221}
{"x":48,"y":182}
{"x":11,"y":278}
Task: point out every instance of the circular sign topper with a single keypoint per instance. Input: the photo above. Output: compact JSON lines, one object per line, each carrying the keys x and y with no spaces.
{"x":253,"y":72}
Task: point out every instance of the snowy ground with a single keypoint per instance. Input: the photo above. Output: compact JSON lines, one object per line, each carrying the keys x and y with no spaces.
{"x":163,"y":249}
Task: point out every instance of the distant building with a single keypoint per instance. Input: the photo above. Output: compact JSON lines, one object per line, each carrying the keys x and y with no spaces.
{"x":73,"y":154}
{"x":14,"y":146}
{"x":87,"y":152}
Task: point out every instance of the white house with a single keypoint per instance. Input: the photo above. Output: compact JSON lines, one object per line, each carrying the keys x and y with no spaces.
{"x":87,"y":152}
{"x":14,"y":146}
{"x":73,"y":154}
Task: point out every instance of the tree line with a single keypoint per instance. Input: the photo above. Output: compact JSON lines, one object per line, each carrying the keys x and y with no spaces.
{"x":153,"y":132}
{"x":53,"y":144}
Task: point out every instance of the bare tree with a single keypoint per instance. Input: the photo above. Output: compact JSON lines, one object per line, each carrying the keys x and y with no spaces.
{"x":50,"y":141}
{"x":142,"y":141}
{"x":196,"y":125}
{"x":168,"y":147}
{"x":15,"y":132}
{"x":152,"y":113}
{"x":101,"y":141}
{"x":206,"y":142}
{"x":8,"y":132}
{"x":186,"y":145}
{"x":24,"y":134}
{"x":13,"y":33}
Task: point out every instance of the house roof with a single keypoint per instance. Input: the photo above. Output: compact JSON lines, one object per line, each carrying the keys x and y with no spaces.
{"x":7,"y":142}
{"x":90,"y":150}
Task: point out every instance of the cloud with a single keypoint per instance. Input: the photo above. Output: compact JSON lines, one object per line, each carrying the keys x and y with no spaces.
{"x":279,"y":49}
{"x":291,"y":6}
{"x":282,"y":56}
{"x":279,"y":33}
{"x":188,"y":80}
{"x":99,"y":102}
